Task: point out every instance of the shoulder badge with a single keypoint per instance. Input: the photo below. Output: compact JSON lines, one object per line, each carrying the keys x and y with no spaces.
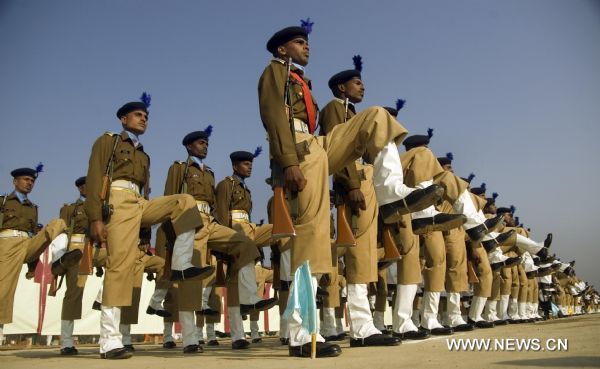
{"x":109,"y":133}
{"x":179,"y":162}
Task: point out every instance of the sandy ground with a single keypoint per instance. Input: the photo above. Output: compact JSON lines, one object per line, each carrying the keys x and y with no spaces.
{"x":582,"y":334}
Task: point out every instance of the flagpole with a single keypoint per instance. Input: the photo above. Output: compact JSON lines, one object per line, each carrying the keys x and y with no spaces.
{"x":313,"y":346}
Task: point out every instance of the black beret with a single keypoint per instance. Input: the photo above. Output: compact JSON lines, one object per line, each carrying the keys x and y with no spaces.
{"x":392,"y":111}
{"x":415,"y":141}
{"x":503,"y":210}
{"x":285,"y":35}
{"x":80,"y":181}
{"x":241,"y":156}
{"x":343,"y":77}
{"x":478,"y":190}
{"x":444,"y":161}
{"x":193,"y":136}
{"x":24,"y":172}
{"x":490,"y":201}
{"x":131,"y":106}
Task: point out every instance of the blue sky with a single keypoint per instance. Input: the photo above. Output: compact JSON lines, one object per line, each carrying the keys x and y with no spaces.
{"x":512,"y":88}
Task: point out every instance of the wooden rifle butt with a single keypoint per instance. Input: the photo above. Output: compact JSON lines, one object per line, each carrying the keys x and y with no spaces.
{"x":282,"y":221}
{"x":104,"y":189}
{"x":345,"y":236}
{"x":472,"y":276}
{"x":389,"y":246}
{"x":220,"y":276}
{"x":85,"y":265}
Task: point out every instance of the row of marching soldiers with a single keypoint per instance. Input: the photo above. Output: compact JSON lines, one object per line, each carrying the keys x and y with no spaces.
{"x":405,"y":222}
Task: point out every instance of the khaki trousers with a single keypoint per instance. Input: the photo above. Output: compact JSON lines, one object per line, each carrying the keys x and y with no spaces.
{"x":144,"y":263}
{"x":364,"y":134}
{"x":484,"y":273}
{"x":456,"y":260}
{"x":409,"y":267}
{"x":71,"y":306}
{"x":16,"y":251}
{"x":434,"y":271}
{"x":132,"y":212}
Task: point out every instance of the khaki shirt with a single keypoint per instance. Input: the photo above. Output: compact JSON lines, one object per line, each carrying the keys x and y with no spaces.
{"x":231,"y":195}
{"x":130,"y":163}
{"x":19,"y":216}
{"x":335,"y":113}
{"x":271,"y":87}
{"x":76,"y":213}
{"x":200,"y":182}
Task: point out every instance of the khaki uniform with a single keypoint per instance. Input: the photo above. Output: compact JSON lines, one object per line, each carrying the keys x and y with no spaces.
{"x":367,"y":132}
{"x":200,"y":184}
{"x":18,"y":246}
{"x":409,"y":268}
{"x":263,"y":276}
{"x":75,"y":217}
{"x":131,"y":211}
{"x":483,"y":268}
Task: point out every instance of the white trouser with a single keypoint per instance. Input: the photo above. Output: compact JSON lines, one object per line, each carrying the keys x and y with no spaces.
{"x":168,"y":332}
{"x":284,"y":331}
{"x":464,"y":205}
{"x":453,"y":314}
{"x":125,"y":330}
{"x":502,"y":307}
{"x":236,"y":325}
{"x":298,"y":334}
{"x":388,"y":178}
{"x":428,"y":212}
{"x":489,"y":312}
{"x":58,"y":247}
{"x":523,"y":310}
{"x":496,"y":256}
{"x":339,"y":325}
{"x":211,"y":335}
{"x":254,"y":329}
{"x":205,"y":296}
{"x":528,"y":244}
{"x":429,"y":313}
{"x":328,"y":327}
{"x":200,"y":329}
{"x":285,"y":265}
{"x":378,"y":320}
{"x":402,"y":311}
{"x":99,"y":295}
{"x":527,"y":262}
{"x":513,"y":309}
{"x":187,"y":319}
{"x":247,"y":287}
{"x":359,"y":311}
{"x":66,"y":333}
{"x":110,"y":336}
{"x":183,"y":249}
{"x":477,"y":305}
{"x":392,"y":274}
{"x":157,"y":298}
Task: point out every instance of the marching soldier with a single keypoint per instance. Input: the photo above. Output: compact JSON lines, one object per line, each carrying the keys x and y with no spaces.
{"x":120,"y":216}
{"x":19,"y":241}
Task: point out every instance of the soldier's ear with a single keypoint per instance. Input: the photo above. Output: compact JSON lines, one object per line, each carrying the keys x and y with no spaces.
{"x":341,"y":88}
{"x":281,"y":50}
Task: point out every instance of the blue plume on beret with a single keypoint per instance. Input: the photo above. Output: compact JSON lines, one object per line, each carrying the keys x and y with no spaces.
{"x":39,"y":168}
{"x":208,"y":130}
{"x":470,"y":178}
{"x":357,"y":60}
{"x":400,"y":104}
{"x":495,"y":195}
{"x":450,"y":156}
{"x":307,"y":25}
{"x":483,"y":185}
{"x":257,"y":151}
{"x":513,"y":209}
{"x":146,"y":98}
{"x":430,"y":132}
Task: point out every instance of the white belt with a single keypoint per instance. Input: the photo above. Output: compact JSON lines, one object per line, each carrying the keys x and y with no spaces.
{"x":300,"y":126}
{"x":9,"y":233}
{"x":203,"y":207}
{"x":78,"y":238}
{"x":122,"y":184}
{"x":239,"y":216}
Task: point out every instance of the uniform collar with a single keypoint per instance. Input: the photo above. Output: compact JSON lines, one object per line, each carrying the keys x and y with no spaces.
{"x":295,"y":67}
{"x":198,"y":162}
{"x":20,"y":196}
{"x":240,"y":179}
{"x":126,"y":135}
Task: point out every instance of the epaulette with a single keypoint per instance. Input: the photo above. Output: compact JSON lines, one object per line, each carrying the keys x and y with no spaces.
{"x":206,"y":167}
{"x":280,"y":61}
{"x":109,"y":133}
{"x":179,"y":162}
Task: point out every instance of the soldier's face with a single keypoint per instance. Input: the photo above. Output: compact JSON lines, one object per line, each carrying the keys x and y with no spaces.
{"x":297,"y":49}
{"x":24,"y":184}
{"x":81,"y":190}
{"x":354,"y":90}
{"x":448,"y":168}
{"x":198,"y":148}
{"x":135,"y":122}
{"x":243,"y":168}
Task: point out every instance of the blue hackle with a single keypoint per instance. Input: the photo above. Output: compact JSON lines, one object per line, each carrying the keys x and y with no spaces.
{"x":470,"y":178}
{"x":430,"y":132}
{"x":39,"y":168}
{"x":357,"y":60}
{"x":257,"y":151}
{"x":483,"y":186}
{"x":400,"y":104}
{"x":495,"y":195}
{"x":146,"y":98}
{"x":208,"y":130}
{"x":307,"y":25}
{"x":513,"y":209}
{"x":449,"y":156}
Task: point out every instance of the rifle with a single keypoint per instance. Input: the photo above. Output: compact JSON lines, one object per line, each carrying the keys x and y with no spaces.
{"x":471,"y":273}
{"x":2,"y":210}
{"x":107,"y":209}
{"x":283,"y":219}
{"x":389,"y":246}
{"x":345,"y":234}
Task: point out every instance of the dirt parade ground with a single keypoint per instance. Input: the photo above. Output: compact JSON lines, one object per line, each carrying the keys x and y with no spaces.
{"x":561,"y":343}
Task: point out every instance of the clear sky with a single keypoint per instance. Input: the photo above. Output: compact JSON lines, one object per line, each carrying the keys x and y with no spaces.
{"x":511,"y":87}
